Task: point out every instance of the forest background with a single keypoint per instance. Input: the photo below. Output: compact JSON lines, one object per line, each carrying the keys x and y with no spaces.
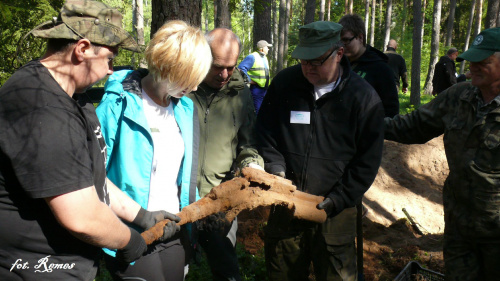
{"x":424,"y":29}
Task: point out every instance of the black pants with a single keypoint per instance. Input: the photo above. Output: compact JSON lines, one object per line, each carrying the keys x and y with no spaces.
{"x":165,"y":261}
{"x":221,"y":254}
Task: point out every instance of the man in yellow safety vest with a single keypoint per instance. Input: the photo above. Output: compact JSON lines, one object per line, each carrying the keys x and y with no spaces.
{"x":256,"y":68}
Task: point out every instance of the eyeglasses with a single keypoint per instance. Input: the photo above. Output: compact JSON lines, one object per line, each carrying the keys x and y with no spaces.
{"x":315,"y":62}
{"x":347,"y":41}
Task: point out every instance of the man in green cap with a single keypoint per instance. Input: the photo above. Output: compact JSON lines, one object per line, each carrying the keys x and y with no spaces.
{"x":57,"y":209}
{"x":468,"y":115}
{"x":321,"y":126}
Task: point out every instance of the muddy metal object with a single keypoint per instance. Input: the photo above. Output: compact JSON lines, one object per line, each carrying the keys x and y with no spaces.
{"x":253,"y":188}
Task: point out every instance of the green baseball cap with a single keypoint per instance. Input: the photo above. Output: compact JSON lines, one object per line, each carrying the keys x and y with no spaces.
{"x":485,"y":45}
{"x":316,"y":38}
{"x":93,"y":20}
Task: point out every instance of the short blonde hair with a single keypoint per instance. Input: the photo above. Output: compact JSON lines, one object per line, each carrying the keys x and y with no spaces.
{"x":179,"y":54}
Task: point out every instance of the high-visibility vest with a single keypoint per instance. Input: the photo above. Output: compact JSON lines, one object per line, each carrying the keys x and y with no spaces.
{"x":259,"y":72}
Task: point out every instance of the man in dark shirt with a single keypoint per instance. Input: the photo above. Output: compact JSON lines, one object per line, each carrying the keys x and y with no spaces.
{"x":57,"y":208}
{"x":369,"y":63}
{"x":445,"y":74}
{"x":398,"y":65}
{"x":320,"y":126}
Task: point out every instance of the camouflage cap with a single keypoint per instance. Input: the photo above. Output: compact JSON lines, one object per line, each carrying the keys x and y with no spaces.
{"x":93,"y":20}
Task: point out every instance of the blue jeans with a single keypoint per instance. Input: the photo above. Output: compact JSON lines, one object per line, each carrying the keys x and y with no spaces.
{"x":258,"y":95}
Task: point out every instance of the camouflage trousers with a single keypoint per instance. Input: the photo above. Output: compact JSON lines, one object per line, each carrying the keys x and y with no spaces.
{"x":291,"y":245}
{"x":471,"y":259}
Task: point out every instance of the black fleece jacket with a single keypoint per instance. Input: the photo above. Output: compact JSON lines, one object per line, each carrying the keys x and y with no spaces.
{"x":338,"y":152}
{"x":444,"y":74}
{"x":373,"y":67}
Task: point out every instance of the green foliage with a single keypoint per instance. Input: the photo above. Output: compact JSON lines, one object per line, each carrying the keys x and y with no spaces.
{"x":199,"y":271}
{"x":102,"y":273}
{"x":252,"y":267}
{"x":404,"y":102}
{"x":18,"y":17}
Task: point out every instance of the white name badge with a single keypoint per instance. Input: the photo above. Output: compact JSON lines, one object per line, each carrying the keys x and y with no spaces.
{"x":300,"y":117}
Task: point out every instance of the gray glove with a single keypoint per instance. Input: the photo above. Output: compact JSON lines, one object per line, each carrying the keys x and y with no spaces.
{"x":279,"y":174}
{"x":135,"y":248}
{"x":327,"y":205}
{"x":147,"y":219}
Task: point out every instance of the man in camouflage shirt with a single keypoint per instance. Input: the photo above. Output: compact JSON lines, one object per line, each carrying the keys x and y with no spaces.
{"x":469,"y":116}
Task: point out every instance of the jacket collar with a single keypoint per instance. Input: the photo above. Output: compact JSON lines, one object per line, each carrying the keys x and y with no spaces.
{"x":232,"y":88}
{"x":132,"y":83}
{"x":346,"y":67}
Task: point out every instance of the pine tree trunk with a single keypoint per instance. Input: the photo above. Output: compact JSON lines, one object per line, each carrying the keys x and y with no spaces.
{"x":436,"y":22}
{"x":223,"y":18}
{"x":367,"y":17}
{"x":388,"y":16}
{"x":322,"y":10}
{"x":206,"y":16}
{"x":138,"y":27}
{"x":416,"y":53}
{"x":479,"y":15}
{"x":287,"y":25}
{"x":261,"y":21}
{"x":276,"y":43}
{"x":281,"y":35}
{"x":329,"y":7}
{"x":451,"y":20}
{"x":165,"y":10}
{"x":498,"y":17}
{"x":372,"y":31}
{"x":310,"y":11}
{"x":492,"y":14}
{"x":467,"y":36}
{"x":403,"y":24}
{"x":423,"y":23}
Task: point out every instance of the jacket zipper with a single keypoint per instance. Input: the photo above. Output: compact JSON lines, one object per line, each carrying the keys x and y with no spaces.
{"x":205,"y":140}
{"x":309,"y":148}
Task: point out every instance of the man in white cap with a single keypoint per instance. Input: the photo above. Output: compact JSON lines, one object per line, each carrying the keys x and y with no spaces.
{"x":468,"y":115}
{"x":256,"y":67}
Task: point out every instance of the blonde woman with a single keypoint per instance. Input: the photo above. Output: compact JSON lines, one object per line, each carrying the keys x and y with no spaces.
{"x":151,"y":133}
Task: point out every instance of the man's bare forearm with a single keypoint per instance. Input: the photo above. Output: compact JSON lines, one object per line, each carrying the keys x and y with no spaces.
{"x":121,"y":204}
{"x":90,"y":220}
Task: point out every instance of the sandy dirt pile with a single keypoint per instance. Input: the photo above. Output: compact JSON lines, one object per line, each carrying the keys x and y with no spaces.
{"x":410,"y":177}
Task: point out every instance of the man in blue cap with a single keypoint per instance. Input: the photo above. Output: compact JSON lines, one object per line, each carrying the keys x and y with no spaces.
{"x":321,"y":126}
{"x":468,"y":115}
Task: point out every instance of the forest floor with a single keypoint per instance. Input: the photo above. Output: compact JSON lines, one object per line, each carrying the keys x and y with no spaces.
{"x":410,"y":178}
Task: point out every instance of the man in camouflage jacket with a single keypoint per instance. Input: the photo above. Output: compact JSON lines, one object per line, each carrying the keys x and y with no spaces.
{"x":469,"y":116}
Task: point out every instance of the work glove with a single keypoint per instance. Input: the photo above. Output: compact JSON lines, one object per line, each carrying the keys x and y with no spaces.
{"x":255,"y":166}
{"x":214,"y":222}
{"x":327,"y":205}
{"x":147,"y":219}
{"x":280,"y":174}
{"x":135,"y":248}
